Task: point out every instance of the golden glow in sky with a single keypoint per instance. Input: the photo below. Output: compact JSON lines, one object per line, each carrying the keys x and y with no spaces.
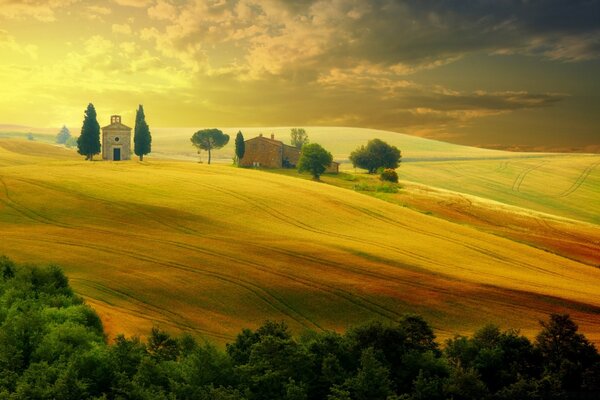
{"x":467,"y":72}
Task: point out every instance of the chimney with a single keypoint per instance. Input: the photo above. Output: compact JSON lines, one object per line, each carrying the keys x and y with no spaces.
{"x":272,"y":136}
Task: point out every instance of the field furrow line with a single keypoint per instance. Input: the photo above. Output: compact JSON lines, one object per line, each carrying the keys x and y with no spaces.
{"x":516,"y":187}
{"x":260,"y":292}
{"x":488,"y":253}
{"x":27,"y":212}
{"x":123,"y":206}
{"x":579,"y":181}
{"x":347,"y":295}
{"x":182,"y":323}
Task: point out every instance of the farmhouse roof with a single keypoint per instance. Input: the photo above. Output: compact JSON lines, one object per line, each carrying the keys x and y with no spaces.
{"x":271,"y":140}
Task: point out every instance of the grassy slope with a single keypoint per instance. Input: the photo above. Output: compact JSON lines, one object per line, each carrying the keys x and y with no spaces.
{"x":212,"y":249}
{"x":340,"y":141}
{"x":564,"y":185}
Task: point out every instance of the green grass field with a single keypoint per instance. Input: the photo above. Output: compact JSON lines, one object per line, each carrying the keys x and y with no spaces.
{"x":212,"y":249}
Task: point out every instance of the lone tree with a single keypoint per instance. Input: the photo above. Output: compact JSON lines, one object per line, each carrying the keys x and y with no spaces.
{"x":208,"y":139}
{"x":377,"y":154}
{"x":88,"y":142}
{"x":314,"y":159}
{"x":240,"y":147}
{"x":142,"y":140}
{"x":298,"y":137}
{"x":63,"y":135}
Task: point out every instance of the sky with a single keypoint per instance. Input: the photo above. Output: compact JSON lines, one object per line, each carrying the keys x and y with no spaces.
{"x":488,"y":73}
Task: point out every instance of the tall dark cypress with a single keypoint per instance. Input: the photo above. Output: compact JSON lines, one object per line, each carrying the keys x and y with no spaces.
{"x":142,"y":140}
{"x":240,"y":146}
{"x":88,"y":143}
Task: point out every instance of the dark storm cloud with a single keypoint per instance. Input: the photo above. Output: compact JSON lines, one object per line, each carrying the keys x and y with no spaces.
{"x":423,"y":31}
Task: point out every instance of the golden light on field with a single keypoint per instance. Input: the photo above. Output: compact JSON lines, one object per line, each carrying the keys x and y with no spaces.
{"x":204,"y":248}
{"x":487,"y":74}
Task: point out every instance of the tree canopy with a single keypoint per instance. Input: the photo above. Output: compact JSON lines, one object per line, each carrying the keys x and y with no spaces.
{"x":376,"y":154}
{"x":53,"y":346}
{"x":314,"y":159}
{"x":88,"y":142}
{"x":240,"y":146}
{"x":142,"y":139}
{"x":209,"y":139}
{"x":63,"y":135}
{"x":298,"y":137}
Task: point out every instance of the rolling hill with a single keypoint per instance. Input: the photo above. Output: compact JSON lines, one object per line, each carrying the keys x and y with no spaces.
{"x":211,"y":249}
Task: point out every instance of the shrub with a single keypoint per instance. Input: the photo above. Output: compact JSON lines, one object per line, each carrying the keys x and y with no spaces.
{"x":387,"y":188}
{"x":389,"y":175}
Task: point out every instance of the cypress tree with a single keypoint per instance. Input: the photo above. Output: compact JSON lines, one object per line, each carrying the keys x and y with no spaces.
{"x":240,"y":146}
{"x":142,"y":140}
{"x":88,"y":142}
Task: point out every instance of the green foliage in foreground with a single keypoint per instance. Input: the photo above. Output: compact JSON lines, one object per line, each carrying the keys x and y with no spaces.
{"x":52,"y":347}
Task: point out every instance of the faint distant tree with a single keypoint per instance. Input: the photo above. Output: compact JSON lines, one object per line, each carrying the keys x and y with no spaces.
{"x":63,"y":135}
{"x":30,"y":136}
{"x":314,"y":159}
{"x":71,"y":142}
{"x":142,"y":140}
{"x":88,"y":142}
{"x":209,"y":139}
{"x":240,"y":147}
{"x":376,"y":154}
{"x":298,"y":137}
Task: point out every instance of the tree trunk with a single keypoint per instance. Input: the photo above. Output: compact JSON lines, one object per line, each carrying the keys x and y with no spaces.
{"x":209,"y":156}
{"x":141,"y":157}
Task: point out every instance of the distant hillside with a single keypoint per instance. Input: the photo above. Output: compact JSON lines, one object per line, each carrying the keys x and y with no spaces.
{"x":211,"y":249}
{"x":340,"y":141}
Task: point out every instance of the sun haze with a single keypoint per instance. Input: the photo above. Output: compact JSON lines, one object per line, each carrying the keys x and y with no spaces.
{"x":487,"y":73}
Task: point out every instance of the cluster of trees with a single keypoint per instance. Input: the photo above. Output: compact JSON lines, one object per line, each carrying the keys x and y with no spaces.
{"x":314,"y":159}
{"x":52,"y":346}
{"x":88,"y":142}
{"x":376,"y":155}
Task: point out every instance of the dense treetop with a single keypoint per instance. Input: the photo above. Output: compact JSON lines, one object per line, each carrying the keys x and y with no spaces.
{"x":52,"y":346}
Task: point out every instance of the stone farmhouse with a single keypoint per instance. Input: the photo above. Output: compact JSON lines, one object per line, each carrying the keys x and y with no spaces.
{"x":116,"y":140}
{"x":271,"y":153}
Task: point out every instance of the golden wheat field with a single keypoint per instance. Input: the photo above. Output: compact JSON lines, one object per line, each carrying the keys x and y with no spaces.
{"x":210,"y":249}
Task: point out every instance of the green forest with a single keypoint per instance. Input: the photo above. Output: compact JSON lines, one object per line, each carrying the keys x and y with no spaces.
{"x":52,"y":346}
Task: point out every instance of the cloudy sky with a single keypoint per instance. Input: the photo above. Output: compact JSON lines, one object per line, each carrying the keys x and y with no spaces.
{"x":475,"y":72}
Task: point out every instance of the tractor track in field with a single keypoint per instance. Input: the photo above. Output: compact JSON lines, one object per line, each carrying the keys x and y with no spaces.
{"x":278,"y":215}
{"x":488,"y":253}
{"x":332,"y":290}
{"x":284,"y":218}
{"x":274,"y":301}
{"x":579,"y":181}
{"x":516,"y":186}
{"x":180,"y":323}
{"x":26,"y":212}
{"x":124,"y":206}
{"x":348,"y":296}
{"x":503,"y":165}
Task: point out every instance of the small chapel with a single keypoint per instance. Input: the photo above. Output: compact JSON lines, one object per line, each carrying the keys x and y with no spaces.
{"x":116,"y":140}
